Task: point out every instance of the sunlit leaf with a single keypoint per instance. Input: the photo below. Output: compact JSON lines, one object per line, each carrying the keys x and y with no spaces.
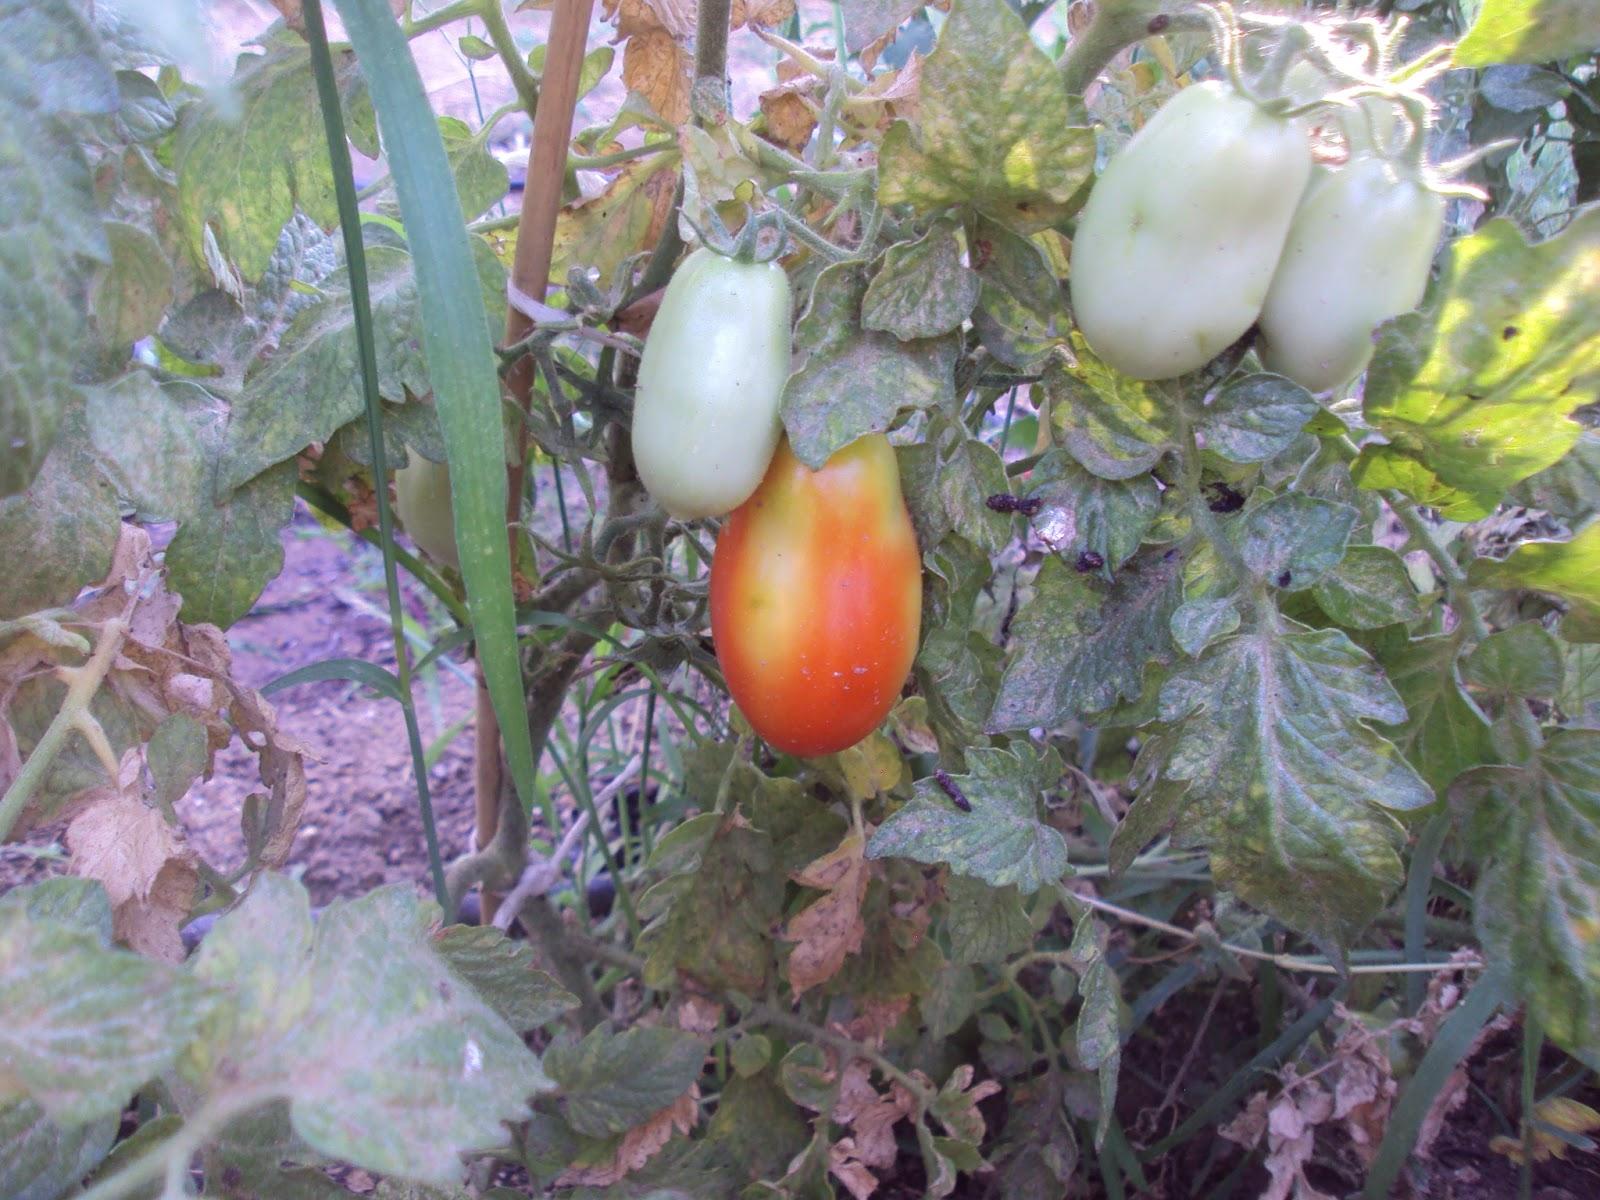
{"x":1476,"y":389}
{"x":994,"y":132}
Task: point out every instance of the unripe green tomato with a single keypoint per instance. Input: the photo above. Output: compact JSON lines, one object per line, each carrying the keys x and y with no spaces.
{"x":1358,"y":253}
{"x":705,"y":417}
{"x":422,"y":501}
{"x":1177,"y":244}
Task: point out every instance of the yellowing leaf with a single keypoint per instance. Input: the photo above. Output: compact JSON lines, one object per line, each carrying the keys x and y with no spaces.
{"x":657,"y":67}
{"x":830,"y":930}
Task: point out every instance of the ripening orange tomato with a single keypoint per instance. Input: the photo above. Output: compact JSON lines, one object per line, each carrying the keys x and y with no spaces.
{"x":816,"y":598}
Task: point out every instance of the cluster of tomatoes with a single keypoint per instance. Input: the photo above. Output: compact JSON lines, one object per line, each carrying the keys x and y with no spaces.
{"x":1214,"y":218}
{"x":816,"y":581}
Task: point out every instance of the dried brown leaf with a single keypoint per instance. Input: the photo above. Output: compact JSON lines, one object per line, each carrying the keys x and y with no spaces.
{"x":765,"y":13}
{"x":791,"y":116}
{"x":831,"y":929}
{"x":153,"y":926}
{"x":640,"y":1144}
{"x":123,"y":843}
{"x":699,"y":1014}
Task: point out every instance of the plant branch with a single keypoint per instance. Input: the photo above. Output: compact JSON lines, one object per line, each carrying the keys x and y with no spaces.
{"x":440,"y":17}
{"x":494,"y":20}
{"x":711,"y":60}
{"x":1288,"y":962}
{"x":72,"y":717}
{"x":1455,"y":578}
{"x":1117,"y":25}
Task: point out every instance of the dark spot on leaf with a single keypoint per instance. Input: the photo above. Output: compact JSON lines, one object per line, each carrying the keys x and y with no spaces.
{"x":1224,"y":499}
{"x":232,"y":1177}
{"x":1158,"y":22}
{"x":1003,"y":502}
{"x":1284,"y":579}
{"x":1090,"y":561}
{"x":982,"y":253}
{"x":949,"y":788}
{"x":1509,"y":332}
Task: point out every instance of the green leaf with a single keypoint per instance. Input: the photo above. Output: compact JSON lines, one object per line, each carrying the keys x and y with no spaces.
{"x":1001,"y":840}
{"x":1529,"y":31}
{"x":1098,"y":1031}
{"x":476,"y":48}
{"x":1382,"y":467}
{"x":1525,"y":660}
{"x":177,"y":752}
{"x":1289,"y":788}
{"x":1369,"y":588}
{"x":65,"y":900}
{"x":1443,"y":732}
{"x":751,"y":1054}
{"x":1116,"y":427}
{"x":1080,"y":644}
{"x":1038,"y":1152}
{"x":1080,"y":513}
{"x":1537,"y":906}
{"x":610,"y":1082}
{"x":1198,"y":623}
{"x":1570,"y":570}
{"x":150,"y":446}
{"x":248,"y":155}
{"x":1293,"y":540}
{"x":502,"y":972}
{"x":85,"y":1025}
{"x":144,"y":114}
{"x":1477,"y":388}
{"x":986,"y":924}
{"x":714,"y":919}
{"x":312,"y":384}
{"x":227,"y":552}
{"x":922,"y":289}
{"x":1569,"y":490}
{"x":51,"y":68}
{"x":854,"y":381}
{"x":1580,"y":693}
{"x":57,"y":537}
{"x":1021,"y":314}
{"x":40,"y":1160}
{"x":756,"y":1131}
{"x":995,"y":130}
{"x":131,"y":296}
{"x":387,"y":1061}
{"x":963,"y":474}
{"x":481,"y":178}
{"x":1256,"y":418}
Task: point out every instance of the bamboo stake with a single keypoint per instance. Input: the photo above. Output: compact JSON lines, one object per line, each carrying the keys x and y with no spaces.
{"x":530,"y":274}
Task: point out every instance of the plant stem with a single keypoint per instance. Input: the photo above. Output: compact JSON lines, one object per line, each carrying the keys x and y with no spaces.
{"x":1288,"y":962}
{"x":450,"y":13}
{"x":576,"y":162}
{"x":360,"y":300}
{"x":711,"y":59}
{"x":494,"y":20}
{"x":1115,"y":27}
{"x":171,"y":1158}
{"x":1454,"y":578}
{"x":73,"y":716}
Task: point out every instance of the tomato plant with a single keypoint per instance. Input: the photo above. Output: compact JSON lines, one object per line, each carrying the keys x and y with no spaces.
{"x":816,"y":597}
{"x":1163,"y":595}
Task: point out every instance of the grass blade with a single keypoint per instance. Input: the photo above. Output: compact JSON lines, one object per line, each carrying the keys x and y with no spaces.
{"x":344,"y":186}
{"x":461,"y":361}
{"x":1456,"y":1036}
